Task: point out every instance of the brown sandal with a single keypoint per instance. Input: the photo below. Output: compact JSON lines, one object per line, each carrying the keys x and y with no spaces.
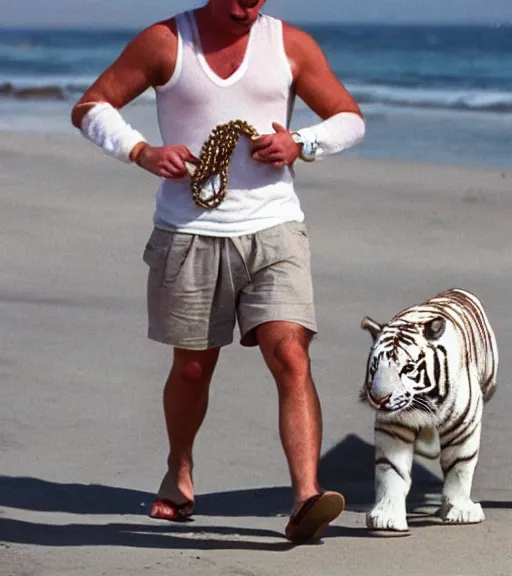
{"x":314,"y":516}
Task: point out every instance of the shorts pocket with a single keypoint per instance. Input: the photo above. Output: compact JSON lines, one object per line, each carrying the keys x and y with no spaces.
{"x":179,"y":249}
{"x":298,"y":228}
{"x":298,"y":242}
{"x":165,"y":253}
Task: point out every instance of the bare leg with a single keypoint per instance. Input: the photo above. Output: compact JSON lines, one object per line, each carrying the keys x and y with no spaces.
{"x":185,"y":403}
{"x":285,"y":348}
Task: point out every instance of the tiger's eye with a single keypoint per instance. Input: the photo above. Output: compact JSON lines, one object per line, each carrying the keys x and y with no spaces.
{"x":434,"y":329}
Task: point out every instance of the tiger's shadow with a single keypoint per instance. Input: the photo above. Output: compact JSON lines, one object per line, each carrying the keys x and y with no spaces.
{"x":349,"y":468}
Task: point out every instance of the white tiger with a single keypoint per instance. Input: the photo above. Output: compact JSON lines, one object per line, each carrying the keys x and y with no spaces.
{"x":429,"y":372}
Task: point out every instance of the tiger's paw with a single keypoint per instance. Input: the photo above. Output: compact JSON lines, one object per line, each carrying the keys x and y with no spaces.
{"x":387,"y":516}
{"x":462,"y":511}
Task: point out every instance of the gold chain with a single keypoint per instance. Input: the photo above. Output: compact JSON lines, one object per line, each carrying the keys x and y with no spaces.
{"x":214,"y":160}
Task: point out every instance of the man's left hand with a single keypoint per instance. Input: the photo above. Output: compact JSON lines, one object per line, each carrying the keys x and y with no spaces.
{"x":276,"y":149}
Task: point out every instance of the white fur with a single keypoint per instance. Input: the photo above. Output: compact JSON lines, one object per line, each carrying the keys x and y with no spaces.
{"x":430,"y":432}
{"x":391,"y":489}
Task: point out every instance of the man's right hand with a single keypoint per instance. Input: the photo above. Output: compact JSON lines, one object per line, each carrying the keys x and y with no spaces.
{"x":166,"y":161}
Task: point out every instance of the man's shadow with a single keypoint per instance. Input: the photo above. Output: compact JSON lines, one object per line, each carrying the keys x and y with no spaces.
{"x":347,"y":467}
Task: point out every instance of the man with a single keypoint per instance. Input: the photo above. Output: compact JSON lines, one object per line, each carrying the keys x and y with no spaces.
{"x":248,"y":258}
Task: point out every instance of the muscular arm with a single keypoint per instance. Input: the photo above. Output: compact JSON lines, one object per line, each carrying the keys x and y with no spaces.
{"x":148,"y":60}
{"x":314,"y":79}
{"x":315,"y":82}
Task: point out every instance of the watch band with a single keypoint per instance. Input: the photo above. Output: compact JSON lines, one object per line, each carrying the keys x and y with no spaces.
{"x":308,"y":148}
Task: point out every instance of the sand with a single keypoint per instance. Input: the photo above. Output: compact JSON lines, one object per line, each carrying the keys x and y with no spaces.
{"x":82,"y":441}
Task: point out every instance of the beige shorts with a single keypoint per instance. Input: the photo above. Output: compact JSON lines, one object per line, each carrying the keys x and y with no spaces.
{"x":198,"y":286}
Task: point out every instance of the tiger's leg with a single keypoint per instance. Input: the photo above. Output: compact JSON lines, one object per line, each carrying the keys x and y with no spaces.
{"x":459,"y":456}
{"x":394,"y":452}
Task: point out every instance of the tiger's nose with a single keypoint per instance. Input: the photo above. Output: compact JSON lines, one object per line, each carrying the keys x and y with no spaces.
{"x":379,"y":401}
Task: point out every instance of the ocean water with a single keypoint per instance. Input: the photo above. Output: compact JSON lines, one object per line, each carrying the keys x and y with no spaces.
{"x":429,"y":93}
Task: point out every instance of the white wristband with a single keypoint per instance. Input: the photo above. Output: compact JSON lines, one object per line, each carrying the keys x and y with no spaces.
{"x":105,"y":126}
{"x":337,"y":133}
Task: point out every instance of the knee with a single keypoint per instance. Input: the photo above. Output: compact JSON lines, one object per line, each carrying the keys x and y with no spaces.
{"x":291,"y":357}
{"x":192,"y":371}
{"x":194,"y":368}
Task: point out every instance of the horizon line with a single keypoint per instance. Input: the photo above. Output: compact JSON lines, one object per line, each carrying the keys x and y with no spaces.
{"x":101,"y":26}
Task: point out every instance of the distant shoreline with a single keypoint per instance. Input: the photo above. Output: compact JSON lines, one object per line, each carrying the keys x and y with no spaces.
{"x":303,"y":23}
{"x":434,"y":93}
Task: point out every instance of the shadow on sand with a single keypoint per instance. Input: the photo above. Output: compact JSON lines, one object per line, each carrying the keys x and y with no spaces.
{"x":347,"y":467}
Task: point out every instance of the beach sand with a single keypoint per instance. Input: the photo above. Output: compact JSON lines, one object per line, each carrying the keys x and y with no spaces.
{"x":82,"y":440}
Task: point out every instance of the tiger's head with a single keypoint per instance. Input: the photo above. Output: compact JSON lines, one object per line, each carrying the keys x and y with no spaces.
{"x":407,"y":365}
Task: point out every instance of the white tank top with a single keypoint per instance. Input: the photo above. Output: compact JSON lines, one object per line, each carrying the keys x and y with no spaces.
{"x":195,"y":100}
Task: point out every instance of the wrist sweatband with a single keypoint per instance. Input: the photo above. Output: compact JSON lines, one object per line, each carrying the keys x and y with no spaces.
{"x":337,"y":133}
{"x":105,"y":126}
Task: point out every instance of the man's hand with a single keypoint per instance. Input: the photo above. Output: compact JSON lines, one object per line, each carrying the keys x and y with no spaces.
{"x":166,"y":161}
{"x":277,"y":149}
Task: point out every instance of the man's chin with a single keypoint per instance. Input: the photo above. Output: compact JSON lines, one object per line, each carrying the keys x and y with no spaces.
{"x":240,"y":28}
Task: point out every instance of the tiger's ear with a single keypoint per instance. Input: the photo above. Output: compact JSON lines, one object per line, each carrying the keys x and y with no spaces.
{"x":373,"y":327}
{"x":434,"y":329}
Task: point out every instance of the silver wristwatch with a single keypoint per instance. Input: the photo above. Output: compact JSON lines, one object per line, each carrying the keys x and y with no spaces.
{"x":307,"y":147}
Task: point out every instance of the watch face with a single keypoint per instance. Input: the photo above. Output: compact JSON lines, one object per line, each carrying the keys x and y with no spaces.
{"x":308,"y":147}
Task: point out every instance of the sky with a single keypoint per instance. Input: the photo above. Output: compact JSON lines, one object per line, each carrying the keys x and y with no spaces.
{"x":140,"y":13}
